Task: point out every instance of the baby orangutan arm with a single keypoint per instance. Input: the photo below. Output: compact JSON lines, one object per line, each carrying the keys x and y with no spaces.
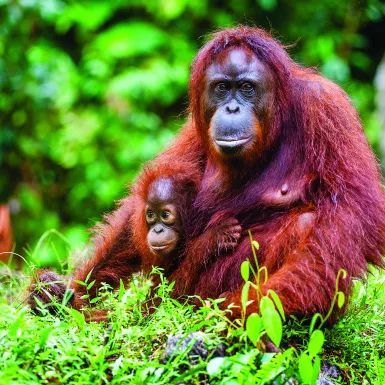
{"x":47,"y":288}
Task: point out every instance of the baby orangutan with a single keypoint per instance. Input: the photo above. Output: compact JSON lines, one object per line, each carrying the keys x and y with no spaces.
{"x":163,"y":226}
{"x":160,"y":230}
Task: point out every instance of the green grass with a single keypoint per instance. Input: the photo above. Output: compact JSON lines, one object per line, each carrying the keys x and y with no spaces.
{"x":129,"y":348}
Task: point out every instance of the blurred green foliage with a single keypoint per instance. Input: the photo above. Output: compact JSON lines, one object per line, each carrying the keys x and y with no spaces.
{"x":89,"y":90}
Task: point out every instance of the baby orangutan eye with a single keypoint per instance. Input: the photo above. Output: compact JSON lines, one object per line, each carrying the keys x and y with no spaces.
{"x":150,"y":214}
{"x":166,"y":214}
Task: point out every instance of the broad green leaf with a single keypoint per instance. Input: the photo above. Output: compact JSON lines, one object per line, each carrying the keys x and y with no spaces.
{"x":245,"y":270}
{"x":316,"y":370}
{"x":266,"y":303}
{"x":273,"y":325}
{"x":254,"y":327}
{"x":316,"y":342}
{"x":214,"y":366}
{"x":305,"y":367}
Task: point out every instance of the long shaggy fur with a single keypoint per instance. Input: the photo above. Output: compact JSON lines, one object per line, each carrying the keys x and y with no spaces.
{"x":314,"y":130}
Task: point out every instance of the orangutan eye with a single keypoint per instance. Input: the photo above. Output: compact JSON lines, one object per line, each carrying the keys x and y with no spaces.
{"x":247,"y":87}
{"x":222,"y":87}
{"x":150,"y":214}
{"x":166,"y":214}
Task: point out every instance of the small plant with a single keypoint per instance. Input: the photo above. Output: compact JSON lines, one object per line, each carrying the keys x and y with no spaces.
{"x":271,"y":318}
{"x":271,"y":309}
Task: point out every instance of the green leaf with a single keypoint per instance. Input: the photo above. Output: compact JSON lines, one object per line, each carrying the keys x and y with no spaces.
{"x":273,"y":325}
{"x":44,"y":337}
{"x":278,"y":303}
{"x":305,"y":367}
{"x":214,"y":366}
{"x":316,"y":370}
{"x":316,"y":342}
{"x":340,"y":299}
{"x":80,"y":282}
{"x":245,"y":270}
{"x":88,"y":276}
{"x":245,"y":295}
{"x":122,"y":289}
{"x":94,"y":300}
{"x":255,"y":244}
{"x":266,"y":303}
{"x":76,"y":315}
{"x":90,"y":285}
{"x":254,"y":327}
{"x":15,"y":326}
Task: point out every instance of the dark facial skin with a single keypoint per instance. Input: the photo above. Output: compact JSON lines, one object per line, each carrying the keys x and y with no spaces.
{"x":238,"y":94}
{"x":162,"y":217}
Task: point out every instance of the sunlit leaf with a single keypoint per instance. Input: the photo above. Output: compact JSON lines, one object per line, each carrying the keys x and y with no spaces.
{"x":340,"y":299}
{"x":316,"y":370}
{"x":278,"y":303}
{"x":316,"y":342}
{"x":273,"y":325}
{"x":305,"y":367}
{"x":245,"y":295}
{"x":256,"y":245}
{"x":253,"y":327}
{"x":266,"y":303}
{"x":245,"y":270}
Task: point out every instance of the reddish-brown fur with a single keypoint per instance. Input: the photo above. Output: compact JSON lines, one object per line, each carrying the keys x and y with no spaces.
{"x":314,"y":144}
{"x":5,"y":233}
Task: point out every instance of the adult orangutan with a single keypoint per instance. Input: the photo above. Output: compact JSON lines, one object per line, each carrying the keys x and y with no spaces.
{"x":283,"y":151}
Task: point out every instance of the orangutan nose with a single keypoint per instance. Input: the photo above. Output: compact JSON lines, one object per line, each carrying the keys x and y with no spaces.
{"x":158,"y":229}
{"x":232,"y":107}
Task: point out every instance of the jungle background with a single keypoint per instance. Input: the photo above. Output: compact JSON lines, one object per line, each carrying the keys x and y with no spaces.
{"x":90,"y":90}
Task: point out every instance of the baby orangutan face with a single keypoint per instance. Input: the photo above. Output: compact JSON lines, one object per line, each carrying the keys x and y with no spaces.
{"x":162,"y":217}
